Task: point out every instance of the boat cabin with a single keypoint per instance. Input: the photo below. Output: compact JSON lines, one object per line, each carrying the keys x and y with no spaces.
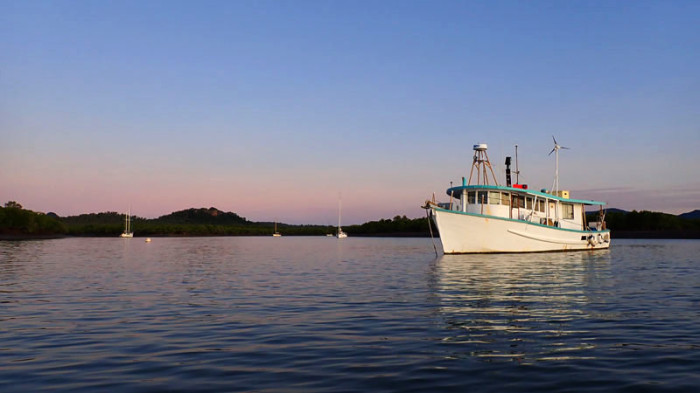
{"x":519,"y":203}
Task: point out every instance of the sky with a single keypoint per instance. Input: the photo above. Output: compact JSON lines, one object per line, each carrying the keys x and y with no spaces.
{"x":279,"y":110}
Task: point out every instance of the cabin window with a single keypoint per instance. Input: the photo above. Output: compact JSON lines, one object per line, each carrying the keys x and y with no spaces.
{"x":519,"y":201}
{"x":471,"y":197}
{"x":505,"y":199}
{"x":494,"y":197}
{"x":567,"y":211}
{"x":483,"y":197}
{"x":540,"y":205}
{"x":528,"y":203}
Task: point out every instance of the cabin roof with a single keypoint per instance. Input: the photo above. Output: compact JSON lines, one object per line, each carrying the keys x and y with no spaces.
{"x":454,"y":190}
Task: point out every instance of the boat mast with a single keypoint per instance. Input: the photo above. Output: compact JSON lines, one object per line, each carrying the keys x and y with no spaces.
{"x":340,"y":208}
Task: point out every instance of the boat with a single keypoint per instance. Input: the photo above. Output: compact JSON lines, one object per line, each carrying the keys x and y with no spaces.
{"x":486,"y":217}
{"x":276,"y":234}
{"x":340,"y":234}
{"x":127,"y":226}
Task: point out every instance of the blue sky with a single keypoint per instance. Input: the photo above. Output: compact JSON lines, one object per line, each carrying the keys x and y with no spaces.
{"x":276,"y":109}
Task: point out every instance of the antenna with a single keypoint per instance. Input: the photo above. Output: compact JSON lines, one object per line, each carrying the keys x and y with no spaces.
{"x":481,"y":163}
{"x":517,"y":171}
{"x":555,"y":150}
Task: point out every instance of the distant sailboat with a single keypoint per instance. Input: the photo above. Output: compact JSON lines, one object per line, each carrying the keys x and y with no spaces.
{"x":276,"y":234}
{"x":340,"y":234}
{"x":127,"y":226}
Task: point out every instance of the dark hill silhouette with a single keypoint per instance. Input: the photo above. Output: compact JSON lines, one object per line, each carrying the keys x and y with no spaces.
{"x":210,"y":216}
{"x":95,"y":219}
{"x":694,"y":215}
{"x":616,"y":210}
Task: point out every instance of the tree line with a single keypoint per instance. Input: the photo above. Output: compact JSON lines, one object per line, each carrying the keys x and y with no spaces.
{"x":643,"y":224}
{"x":17,"y":222}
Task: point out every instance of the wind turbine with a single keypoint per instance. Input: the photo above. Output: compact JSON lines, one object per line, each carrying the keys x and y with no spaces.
{"x":555,"y":186}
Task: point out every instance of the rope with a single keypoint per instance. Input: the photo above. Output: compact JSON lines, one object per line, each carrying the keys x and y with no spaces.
{"x":430,"y":227}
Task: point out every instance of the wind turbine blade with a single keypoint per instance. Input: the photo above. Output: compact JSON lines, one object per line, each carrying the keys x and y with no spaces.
{"x":562,"y":147}
{"x":555,"y":141}
{"x":550,"y":153}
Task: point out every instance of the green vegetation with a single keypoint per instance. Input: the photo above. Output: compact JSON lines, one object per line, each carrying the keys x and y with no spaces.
{"x":649,"y":224}
{"x":16,"y":222}
{"x":213,"y":222}
{"x":189,"y":222}
{"x":646,"y":221}
{"x":399,"y":226}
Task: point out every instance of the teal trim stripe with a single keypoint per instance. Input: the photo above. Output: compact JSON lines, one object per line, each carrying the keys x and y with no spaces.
{"x":453,"y":191}
{"x":520,"y":221}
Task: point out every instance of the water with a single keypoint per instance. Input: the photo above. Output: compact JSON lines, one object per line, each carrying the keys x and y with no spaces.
{"x":355,"y":315}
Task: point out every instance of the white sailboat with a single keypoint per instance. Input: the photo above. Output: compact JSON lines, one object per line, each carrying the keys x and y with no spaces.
{"x":276,"y":234}
{"x":486,"y":217}
{"x":340,"y":234}
{"x":127,"y":226}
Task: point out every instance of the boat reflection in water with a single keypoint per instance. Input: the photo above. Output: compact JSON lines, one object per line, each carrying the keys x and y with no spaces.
{"x":521,"y":307}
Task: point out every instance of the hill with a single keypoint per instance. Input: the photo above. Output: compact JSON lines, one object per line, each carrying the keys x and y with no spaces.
{"x":112,"y":218}
{"x":615,"y":210}
{"x":694,"y":215}
{"x":210,"y":216}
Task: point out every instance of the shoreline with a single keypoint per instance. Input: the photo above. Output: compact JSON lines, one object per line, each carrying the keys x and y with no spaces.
{"x":614,"y":234}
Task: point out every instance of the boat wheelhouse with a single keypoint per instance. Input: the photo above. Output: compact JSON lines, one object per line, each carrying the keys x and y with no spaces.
{"x":486,"y":218}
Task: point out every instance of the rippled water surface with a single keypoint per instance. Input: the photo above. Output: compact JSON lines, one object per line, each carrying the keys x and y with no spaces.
{"x":355,"y":315}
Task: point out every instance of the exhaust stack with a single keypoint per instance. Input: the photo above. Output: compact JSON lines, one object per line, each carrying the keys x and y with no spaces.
{"x":508,"y":172}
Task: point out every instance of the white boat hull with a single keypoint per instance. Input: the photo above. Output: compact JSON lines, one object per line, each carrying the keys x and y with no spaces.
{"x":464,"y":233}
